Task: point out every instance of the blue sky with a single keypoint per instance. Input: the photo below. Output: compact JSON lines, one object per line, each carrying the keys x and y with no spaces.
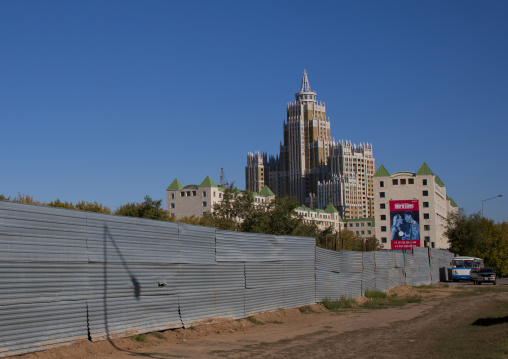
{"x":109,"y":101}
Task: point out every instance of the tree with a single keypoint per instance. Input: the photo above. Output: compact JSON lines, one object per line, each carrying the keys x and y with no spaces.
{"x":149,"y":208}
{"x":477,"y":236}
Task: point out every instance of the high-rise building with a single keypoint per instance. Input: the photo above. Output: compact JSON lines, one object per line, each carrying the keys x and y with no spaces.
{"x":311,"y":166}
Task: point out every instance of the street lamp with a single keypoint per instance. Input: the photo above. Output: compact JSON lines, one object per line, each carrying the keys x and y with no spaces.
{"x":500,"y":195}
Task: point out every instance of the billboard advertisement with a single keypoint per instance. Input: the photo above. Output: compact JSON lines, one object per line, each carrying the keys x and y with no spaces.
{"x":404,"y":222}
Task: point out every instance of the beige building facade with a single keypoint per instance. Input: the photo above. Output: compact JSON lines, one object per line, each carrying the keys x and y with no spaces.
{"x":412,"y":209}
{"x":311,"y":166}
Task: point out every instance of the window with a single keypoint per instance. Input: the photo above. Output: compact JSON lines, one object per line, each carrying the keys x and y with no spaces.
{"x":383,"y":228}
{"x":403,"y":181}
{"x":204,"y":204}
{"x":369,"y":232}
{"x":220,"y":195}
{"x":395,"y":182}
{"x":363,"y":224}
{"x":383,"y":239}
{"x":350,"y":224}
{"x":204,"y":193}
{"x":182,"y":194}
{"x":357,"y":232}
{"x":188,"y":193}
{"x":426,"y":227}
{"x":425,"y":193}
{"x":172,"y":205}
{"x":382,"y":206}
{"x":424,"y":182}
{"x":426,"y":216}
{"x":172,"y":196}
{"x":427,"y":239}
{"x":363,"y":232}
{"x":425,"y":204}
{"x":381,"y":183}
{"x":369,"y":224}
{"x":358,"y":224}
{"x":411,"y":181}
{"x":194,"y":193}
{"x":382,"y":194}
{"x":383,"y":217}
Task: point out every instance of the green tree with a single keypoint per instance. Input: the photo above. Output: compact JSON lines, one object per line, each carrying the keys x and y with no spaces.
{"x":149,"y":208}
{"x":92,"y":207}
{"x":61,"y":204}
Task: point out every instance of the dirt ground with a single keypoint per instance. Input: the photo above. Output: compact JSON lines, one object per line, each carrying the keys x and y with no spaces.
{"x":312,"y":332}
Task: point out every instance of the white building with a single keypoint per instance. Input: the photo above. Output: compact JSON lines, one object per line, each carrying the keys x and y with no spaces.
{"x":411,"y":209}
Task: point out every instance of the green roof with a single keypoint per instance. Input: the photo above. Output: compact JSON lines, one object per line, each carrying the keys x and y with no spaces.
{"x":207,"y":182}
{"x":424,"y":170}
{"x":331,"y":209}
{"x":190,"y":186}
{"x":439,"y":182}
{"x":452,"y":202}
{"x":265,"y":191}
{"x":175,"y":185}
{"x":381,"y":172}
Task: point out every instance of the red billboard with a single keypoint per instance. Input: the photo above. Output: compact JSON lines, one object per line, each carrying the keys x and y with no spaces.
{"x":404,"y":218}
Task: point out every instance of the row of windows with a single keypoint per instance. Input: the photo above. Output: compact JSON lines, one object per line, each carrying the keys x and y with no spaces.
{"x":192,"y":194}
{"x":395,"y":182}
{"x":172,"y":205}
{"x":426,"y":227}
{"x":425,"y":216}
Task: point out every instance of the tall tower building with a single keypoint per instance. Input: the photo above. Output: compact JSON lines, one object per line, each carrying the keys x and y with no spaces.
{"x":311,"y":167}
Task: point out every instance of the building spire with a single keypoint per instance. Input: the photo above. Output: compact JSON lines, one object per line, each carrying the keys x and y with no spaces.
{"x":305,"y":83}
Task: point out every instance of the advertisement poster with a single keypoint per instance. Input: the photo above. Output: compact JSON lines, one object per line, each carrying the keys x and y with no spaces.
{"x":404,"y":222}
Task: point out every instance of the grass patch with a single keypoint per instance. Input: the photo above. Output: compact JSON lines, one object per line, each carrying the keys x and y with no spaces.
{"x":254,"y":320}
{"x":478,"y":337}
{"x":139,"y":338}
{"x":158,"y":335}
{"x":338,"y":304}
{"x":306,"y":309}
{"x":375,"y":294}
{"x":192,"y":327}
{"x":381,"y":303}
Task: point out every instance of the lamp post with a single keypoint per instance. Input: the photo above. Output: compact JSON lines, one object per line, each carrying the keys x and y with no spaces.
{"x":500,"y":195}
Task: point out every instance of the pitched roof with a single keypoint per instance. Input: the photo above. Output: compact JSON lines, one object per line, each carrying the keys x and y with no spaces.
{"x":424,"y":170}
{"x":207,"y":182}
{"x":265,"y":191}
{"x":175,"y":185}
{"x":331,"y":209}
{"x":381,"y":172}
{"x":439,"y":182}
{"x":452,"y":202}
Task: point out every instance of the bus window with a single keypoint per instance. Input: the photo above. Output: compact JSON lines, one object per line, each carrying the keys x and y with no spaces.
{"x":458,"y":264}
{"x":468,"y":263}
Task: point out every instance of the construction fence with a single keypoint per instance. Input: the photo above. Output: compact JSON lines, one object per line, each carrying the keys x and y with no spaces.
{"x":68,"y":275}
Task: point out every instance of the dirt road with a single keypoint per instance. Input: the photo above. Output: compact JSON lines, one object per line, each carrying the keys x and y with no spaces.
{"x":406,"y":332}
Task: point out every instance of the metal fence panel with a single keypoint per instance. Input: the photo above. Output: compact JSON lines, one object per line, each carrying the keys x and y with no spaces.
{"x":201,"y":278}
{"x":247,"y":247}
{"x":296,"y":295}
{"x":26,"y":328}
{"x":114,"y":280}
{"x":327,"y":285}
{"x":382,"y":279}
{"x":264,"y":274}
{"x":39,"y":282}
{"x":351,"y":284}
{"x":298,"y":272}
{"x":36,"y":233}
{"x":196,"y":244}
{"x":422,"y":266}
{"x":265,"y":299}
{"x":327,"y":260}
{"x":351,"y":262}
{"x":131,"y":240}
{"x":207,"y":307}
{"x":298,"y":248}
{"x":125,"y":316}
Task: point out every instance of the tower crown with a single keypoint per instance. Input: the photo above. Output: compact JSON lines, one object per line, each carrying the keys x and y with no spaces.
{"x":305,"y":94}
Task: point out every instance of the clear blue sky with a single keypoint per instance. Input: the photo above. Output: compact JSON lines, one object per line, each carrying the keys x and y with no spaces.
{"x":109,"y":101}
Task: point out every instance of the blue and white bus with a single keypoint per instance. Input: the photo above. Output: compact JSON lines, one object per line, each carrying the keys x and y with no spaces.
{"x":461,"y":266}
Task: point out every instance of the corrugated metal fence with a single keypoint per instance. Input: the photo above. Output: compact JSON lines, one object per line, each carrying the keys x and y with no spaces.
{"x":69,"y":275}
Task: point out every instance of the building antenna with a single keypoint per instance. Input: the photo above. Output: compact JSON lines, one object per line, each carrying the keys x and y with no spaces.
{"x":223,"y":179}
